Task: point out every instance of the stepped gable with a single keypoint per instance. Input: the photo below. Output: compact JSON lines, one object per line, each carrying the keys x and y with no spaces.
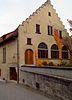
{"x":48,"y":2}
{"x":36,"y":12}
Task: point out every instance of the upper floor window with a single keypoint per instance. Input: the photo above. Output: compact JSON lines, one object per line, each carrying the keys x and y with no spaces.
{"x":4,"y":55}
{"x":49,"y":13}
{"x":60,"y":34}
{"x":38,"y":28}
{"x":29,"y":41}
{"x":50,"y":30}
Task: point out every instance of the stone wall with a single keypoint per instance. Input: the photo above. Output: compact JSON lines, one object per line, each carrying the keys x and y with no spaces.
{"x":57,"y":87}
{"x":11,"y":59}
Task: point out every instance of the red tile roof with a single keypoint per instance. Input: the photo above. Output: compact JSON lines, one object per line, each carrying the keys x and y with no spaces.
{"x":9,"y":36}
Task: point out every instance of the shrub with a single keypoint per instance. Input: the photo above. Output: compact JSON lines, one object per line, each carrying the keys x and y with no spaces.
{"x":44,"y":63}
{"x":63,"y":63}
{"x":50,"y":64}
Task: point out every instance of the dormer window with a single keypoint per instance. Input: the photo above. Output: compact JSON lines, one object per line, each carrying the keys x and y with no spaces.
{"x":49,"y":13}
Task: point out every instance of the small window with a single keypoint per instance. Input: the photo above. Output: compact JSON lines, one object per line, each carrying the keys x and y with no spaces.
{"x":0,"y":71}
{"x":23,"y":81}
{"x":37,"y":85}
{"x":49,"y":13}
{"x":4,"y":55}
{"x":38,"y":28}
{"x":28,"y":41}
{"x":60,"y":34}
{"x":50,"y":30}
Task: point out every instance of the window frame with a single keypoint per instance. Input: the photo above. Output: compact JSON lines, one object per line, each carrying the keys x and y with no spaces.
{"x":49,"y":13}
{"x":64,"y":53}
{"x":50,"y":30}
{"x":42,"y":51}
{"x":4,"y":55}
{"x":54,"y":52}
{"x":38,"y":28}
{"x":29,"y":41}
{"x":60,"y":34}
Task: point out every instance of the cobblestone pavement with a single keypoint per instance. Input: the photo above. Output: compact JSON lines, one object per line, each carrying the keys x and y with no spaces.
{"x":13,"y":91}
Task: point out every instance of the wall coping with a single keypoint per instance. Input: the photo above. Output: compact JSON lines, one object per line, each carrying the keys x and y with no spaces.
{"x":48,"y":67}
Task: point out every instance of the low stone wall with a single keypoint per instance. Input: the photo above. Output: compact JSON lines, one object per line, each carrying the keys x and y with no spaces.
{"x":58,"y":88}
{"x":51,"y":71}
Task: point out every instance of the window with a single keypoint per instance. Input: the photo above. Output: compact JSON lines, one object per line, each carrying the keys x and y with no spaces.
{"x":0,"y":71}
{"x":4,"y":55}
{"x":50,"y":30}
{"x":42,"y":51}
{"x":54,"y":51}
{"x":49,"y":13}
{"x":64,"y":52}
{"x":60,"y":34}
{"x":38,"y":28}
{"x":28,"y":41}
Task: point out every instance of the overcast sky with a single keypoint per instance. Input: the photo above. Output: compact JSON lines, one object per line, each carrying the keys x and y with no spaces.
{"x":13,"y":12}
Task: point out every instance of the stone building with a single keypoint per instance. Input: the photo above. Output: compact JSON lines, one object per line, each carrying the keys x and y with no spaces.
{"x":37,"y":40}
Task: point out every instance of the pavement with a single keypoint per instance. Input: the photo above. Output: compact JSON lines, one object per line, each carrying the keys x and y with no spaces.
{"x":13,"y":91}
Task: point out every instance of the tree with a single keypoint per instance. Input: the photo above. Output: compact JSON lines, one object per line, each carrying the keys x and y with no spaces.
{"x":70,"y":23}
{"x":67,"y":41}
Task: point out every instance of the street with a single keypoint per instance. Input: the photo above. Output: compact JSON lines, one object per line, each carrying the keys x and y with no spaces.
{"x":13,"y":91}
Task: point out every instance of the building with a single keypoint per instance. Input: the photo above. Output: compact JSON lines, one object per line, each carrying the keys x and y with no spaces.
{"x":37,"y":40}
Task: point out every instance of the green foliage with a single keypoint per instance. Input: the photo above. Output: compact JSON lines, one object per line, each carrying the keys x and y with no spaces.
{"x":63,"y":63}
{"x":50,"y":64}
{"x":44,"y":63}
{"x":68,"y":65}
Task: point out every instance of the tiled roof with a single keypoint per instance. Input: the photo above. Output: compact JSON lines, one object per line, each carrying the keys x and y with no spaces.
{"x":9,"y":36}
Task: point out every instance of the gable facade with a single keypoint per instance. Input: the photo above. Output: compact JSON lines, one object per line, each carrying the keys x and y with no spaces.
{"x":42,"y":27}
{"x":37,"y":40}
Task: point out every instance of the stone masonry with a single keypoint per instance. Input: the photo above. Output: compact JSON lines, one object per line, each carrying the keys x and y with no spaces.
{"x":57,"y":87}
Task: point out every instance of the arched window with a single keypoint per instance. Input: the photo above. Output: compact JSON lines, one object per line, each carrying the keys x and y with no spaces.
{"x":42,"y":50}
{"x":54,"y":51}
{"x":64,"y":52}
{"x":29,"y":57}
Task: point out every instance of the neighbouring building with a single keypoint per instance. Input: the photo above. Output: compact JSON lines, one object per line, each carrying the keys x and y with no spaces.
{"x":38,"y":39}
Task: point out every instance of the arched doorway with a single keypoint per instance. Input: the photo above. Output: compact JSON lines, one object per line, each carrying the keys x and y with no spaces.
{"x":29,"y":57}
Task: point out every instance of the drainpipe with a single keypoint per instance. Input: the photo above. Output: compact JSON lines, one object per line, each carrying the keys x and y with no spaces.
{"x":17,"y":60}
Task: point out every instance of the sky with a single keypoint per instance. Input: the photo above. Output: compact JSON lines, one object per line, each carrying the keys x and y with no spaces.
{"x":14,"y":12}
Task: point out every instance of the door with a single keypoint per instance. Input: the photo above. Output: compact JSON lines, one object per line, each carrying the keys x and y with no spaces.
{"x":29,"y":57}
{"x":13,"y":74}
